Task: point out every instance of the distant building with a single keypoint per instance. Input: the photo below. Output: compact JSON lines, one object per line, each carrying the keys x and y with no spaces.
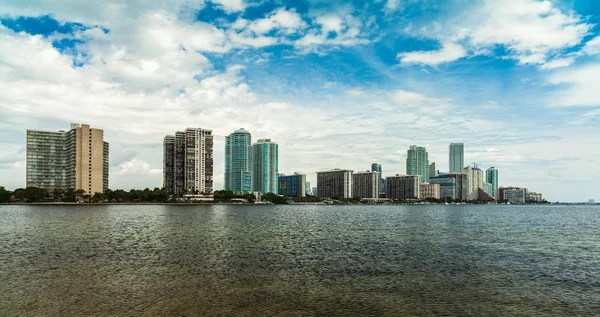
{"x":489,"y":190}
{"x":315,"y":191}
{"x":335,"y":184}
{"x":265,"y":164}
{"x":402,"y":187}
{"x":365,"y":184}
{"x":492,"y":178}
{"x":592,"y":202}
{"x":456,"y":157}
{"x":238,"y":162}
{"x":188,"y":162}
{"x":514,"y":195}
{"x":432,"y":170}
{"x":308,"y":189}
{"x":377,"y":168}
{"x":293,"y":185}
{"x":417,"y":162}
{"x":476,"y":181}
{"x":535,"y":197}
{"x":428,"y":190}
{"x":77,"y":159}
{"x":447,"y":186}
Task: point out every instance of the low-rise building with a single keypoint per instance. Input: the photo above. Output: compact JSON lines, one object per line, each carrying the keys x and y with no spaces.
{"x":403,"y":187}
{"x":514,"y":195}
{"x":428,"y":190}
{"x":292,"y":185}
{"x":535,"y":197}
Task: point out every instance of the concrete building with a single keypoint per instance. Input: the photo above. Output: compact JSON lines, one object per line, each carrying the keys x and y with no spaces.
{"x":315,"y":191}
{"x":428,"y":190}
{"x":238,"y":162}
{"x":535,"y":197}
{"x":334,"y":184}
{"x":514,"y":195}
{"x":432,"y":171}
{"x":377,"y":168}
{"x":417,"y":162}
{"x":476,"y":181}
{"x":491,"y":175}
{"x":293,"y":185}
{"x":366,"y":184}
{"x":77,"y":159}
{"x":447,"y":186}
{"x":403,"y":187}
{"x":188,"y":162}
{"x":265,"y":165}
{"x":456,"y":157}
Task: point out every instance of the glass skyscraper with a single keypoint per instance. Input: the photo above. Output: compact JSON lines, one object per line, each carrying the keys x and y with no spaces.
{"x":238,"y":161}
{"x":377,"y":168}
{"x":265,"y":164}
{"x":492,"y":178}
{"x":417,"y":163}
{"x":457,"y":157}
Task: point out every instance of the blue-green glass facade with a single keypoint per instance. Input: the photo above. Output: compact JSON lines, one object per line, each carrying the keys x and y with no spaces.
{"x":265,"y":164}
{"x":238,"y":161}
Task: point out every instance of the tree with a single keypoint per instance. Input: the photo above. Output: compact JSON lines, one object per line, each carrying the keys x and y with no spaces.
{"x":98,"y":197}
{"x":278,"y":200}
{"x":4,"y":195}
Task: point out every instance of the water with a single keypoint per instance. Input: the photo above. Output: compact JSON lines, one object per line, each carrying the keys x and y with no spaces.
{"x":299,"y":261}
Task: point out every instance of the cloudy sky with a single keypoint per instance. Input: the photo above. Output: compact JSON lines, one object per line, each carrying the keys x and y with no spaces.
{"x":336,"y":85}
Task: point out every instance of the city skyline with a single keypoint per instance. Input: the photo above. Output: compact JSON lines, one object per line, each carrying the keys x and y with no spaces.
{"x":336,"y":84}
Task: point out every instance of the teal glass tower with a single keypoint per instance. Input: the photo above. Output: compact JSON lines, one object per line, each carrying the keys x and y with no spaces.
{"x":417,"y":163}
{"x":265,"y":163}
{"x":457,"y":157}
{"x":492,"y":178}
{"x":238,"y":162}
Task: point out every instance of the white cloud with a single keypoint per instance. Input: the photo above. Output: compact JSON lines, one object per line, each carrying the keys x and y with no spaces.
{"x":231,"y":5}
{"x":137,"y":167}
{"x":533,"y":32}
{"x":592,"y":47}
{"x":286,"y":20}
{"x":448,"y":53}
{"x":579,"y":86}
{"x":558,"y":63}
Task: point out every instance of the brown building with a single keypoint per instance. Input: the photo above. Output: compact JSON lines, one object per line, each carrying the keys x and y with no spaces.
{"x":77,"y":159}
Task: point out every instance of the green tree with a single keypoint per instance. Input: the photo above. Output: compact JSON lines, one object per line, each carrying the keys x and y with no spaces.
{"x":276,"y":199}
{"x":4,"y":195}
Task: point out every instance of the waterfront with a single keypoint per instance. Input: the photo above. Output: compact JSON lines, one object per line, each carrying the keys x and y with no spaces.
{"x":393,"y":260}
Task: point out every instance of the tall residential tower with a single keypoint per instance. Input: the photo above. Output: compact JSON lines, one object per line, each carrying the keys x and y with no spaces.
{"x":265,"y":164}
{"x":238,"y":161}
{"x":188,"y":161}
{"x":492,"y":178}
{"x":417,"y":162}
{"x":77,"y":159}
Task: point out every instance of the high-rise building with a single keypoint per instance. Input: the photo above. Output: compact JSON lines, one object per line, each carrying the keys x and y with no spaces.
{"x":265,"y":165}
{"x":77,"y":159}
{"x":476,"y":181}
{"x":365,"y":184}
{"x":457,"y":157}
{"x":432,"y":170}
{"x":188,"y":161}
{"x":447,"y":185}
{"x":428,"y":190}
{"x":514,"y":195}
{"x":292,"y":185}
{"x":402,"y":187}
{"x":417,"y":162}
{"x":377,"y":168}
{"x":238,"y":161}
{"x":334,"y":184}
{"x":492,"y":178}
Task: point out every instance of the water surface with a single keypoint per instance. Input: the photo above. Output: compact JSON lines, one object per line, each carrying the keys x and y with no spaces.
{"x":162,"y":260}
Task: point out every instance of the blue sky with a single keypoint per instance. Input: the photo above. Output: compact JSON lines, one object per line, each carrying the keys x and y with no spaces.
{"x":336,"y":85}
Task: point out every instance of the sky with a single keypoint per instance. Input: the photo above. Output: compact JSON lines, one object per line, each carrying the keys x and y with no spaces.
{"x":338,"y":84}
